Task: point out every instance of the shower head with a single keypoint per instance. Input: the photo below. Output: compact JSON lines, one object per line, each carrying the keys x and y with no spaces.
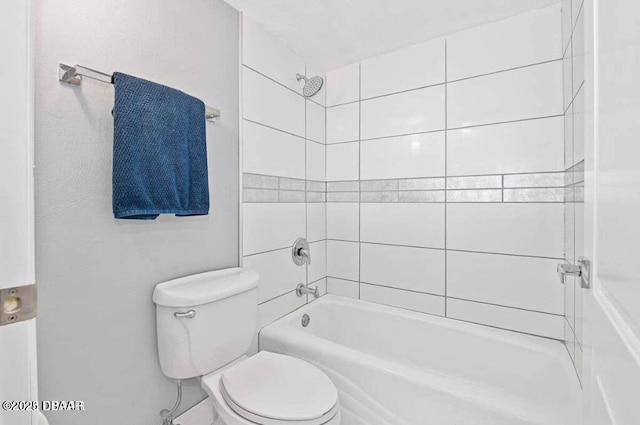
{"x":311,"y":85}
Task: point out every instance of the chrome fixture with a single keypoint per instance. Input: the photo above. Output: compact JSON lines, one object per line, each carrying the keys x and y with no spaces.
{"x":166,"y":414}
{"x":582,"y":270}
{"x":185,"y":315}
{"x":303,"y":289}
{"x":311,"y":85}
{"x":300,"y":252}
{"x":305,"y":320}
{"x":73,"y":75}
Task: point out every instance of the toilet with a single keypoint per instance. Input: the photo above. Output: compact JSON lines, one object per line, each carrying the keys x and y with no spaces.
{"x":206,"y":324}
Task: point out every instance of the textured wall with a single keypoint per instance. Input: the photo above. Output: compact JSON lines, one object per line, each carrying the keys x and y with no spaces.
{"x":96,"y":325}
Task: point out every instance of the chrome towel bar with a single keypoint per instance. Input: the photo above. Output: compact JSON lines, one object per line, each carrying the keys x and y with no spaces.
{"x":73,"y":75}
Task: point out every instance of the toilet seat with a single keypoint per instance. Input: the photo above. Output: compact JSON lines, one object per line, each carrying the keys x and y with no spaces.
{"x":270,"y":389}
{"x":273,"y":389}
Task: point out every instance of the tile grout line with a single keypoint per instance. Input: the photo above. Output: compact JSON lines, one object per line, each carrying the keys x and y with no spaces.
{"x":359,"y":180}
{"x":446,"y":170}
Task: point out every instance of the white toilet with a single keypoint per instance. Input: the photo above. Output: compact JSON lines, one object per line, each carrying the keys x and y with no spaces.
{"x":206,"y":323}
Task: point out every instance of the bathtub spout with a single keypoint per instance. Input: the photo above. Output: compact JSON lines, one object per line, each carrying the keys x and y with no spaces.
{"x":302,"y":289}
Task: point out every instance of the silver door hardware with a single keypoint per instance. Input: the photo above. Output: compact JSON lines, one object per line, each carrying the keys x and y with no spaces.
{"x":18,"y":303}
{"x":185,"y":315}
{"x":303,"y":289}
{"x":582,"y":270}
{"x":300,"y":252}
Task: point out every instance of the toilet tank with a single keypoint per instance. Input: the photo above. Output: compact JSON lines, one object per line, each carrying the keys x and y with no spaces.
{"x":205,"y":321}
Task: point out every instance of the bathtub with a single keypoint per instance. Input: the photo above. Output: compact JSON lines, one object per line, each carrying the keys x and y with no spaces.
{"x":397,"y":367}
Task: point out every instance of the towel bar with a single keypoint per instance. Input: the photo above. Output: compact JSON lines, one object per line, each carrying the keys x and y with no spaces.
{"x":73,"y":75}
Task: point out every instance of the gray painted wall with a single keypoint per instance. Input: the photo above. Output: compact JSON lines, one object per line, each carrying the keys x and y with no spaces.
{"x":96,"y":325}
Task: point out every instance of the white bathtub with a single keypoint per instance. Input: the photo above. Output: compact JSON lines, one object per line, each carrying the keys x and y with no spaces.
{"x":397,"y":367}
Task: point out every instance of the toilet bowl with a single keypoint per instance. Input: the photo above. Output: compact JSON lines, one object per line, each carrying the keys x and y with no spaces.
{"x":272,"y":389}
{"x":206,"y":323}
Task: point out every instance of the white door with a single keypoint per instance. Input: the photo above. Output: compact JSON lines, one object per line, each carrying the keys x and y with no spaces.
{"x":17,"y":329}
{"x":612,"y":220}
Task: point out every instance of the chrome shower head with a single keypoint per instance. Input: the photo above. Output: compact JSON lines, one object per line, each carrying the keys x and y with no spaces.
{"x":311,"y":85}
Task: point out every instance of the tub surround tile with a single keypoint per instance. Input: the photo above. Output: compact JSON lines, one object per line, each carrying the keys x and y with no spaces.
{"x":521,"y":229}
{"x":406,"y":224}
{"x":474,"y":195}
{"x":316,"y":122}
{"x":415,"y":269}
{"x":274,"y":309}
{"x":271,"y":104}
{"x":427,"y":196}
{"x":343,"y":288}
{"x":343,"y":196}
{"x":272,"y":152}
{"x":534,"y":195}
{"x":420,"y":65}
{"x":318,"y":268}
{"x":415,"y":301}
{"x":474,"y":182}
{"x":278,"y":274}
{"x":546,"y":325}
{"x":524,"y":282}
{"x":343,"y":221}
{"x":437,"y":183}
{"x":343,"y":161}
{"x":343,"y":123}
{"x":525,"y":93}
{"x":410,"y":112}
{"x":506,"y":44}
{"x":343,"y":85}
{"x":269,"y":226}
{"x":343,"y":260}
{"x":316,"y":222}
{"x":417,"y":155}
{"x":517,"y":147}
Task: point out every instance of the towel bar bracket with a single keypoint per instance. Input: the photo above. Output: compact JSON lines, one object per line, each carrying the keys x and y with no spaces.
{"x":73,"y":75}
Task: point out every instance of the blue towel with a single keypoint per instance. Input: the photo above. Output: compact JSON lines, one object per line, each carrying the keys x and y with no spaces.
{"x":159,"y":151}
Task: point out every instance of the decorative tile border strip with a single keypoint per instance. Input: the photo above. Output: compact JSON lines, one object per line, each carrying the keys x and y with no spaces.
{"x":549,"y":187}
{"x":264,"y":188}
{"x":515,"y":188}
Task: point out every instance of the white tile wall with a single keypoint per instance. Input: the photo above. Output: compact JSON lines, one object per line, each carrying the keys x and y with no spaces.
{"x":519,"y":147}
{"x":318,"y":266}
{"x":514,"y":42}
{"x":343,"y":85}
{"x":418,"y":155}
{"x":547,"y":325}
{"x":271,"y":226}
{"x":531,"y":92}
{"x":523,"y":282}
{"x":278,"y":274}
{"x":385,"y":120}
{"x":500,"y":152}
{"x":524,"y":229}
{"x":343,"y":221}
{"x":415,"y":269}
{"x":276,"y":120}
{"x":316,"y":221}
{"x":342,"y":260}
{"x":424,"y":303}
{"x":578,"y":47}
{"x":406,"y":69}
{"x":272,"y":152}
{"x":343,"y":161}
{"x":279,"y":307}
{"x":412,"y":224}
{"x":343,"y":123}
{"x":573,"y":28}
{"x":404,"y":113}
{"x":344,"y":288}
{"x":271,"y":104}
{"x":316,"y":161}
{"x":315,"y":122}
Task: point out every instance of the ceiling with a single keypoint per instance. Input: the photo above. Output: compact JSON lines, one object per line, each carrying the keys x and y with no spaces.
{"x":331,"y":33}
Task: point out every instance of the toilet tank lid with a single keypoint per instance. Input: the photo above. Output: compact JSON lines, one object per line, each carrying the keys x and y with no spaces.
{"x":204,"y":288}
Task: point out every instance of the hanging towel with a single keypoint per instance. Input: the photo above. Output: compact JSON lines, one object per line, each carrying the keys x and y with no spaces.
{"x":159,"y":151}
